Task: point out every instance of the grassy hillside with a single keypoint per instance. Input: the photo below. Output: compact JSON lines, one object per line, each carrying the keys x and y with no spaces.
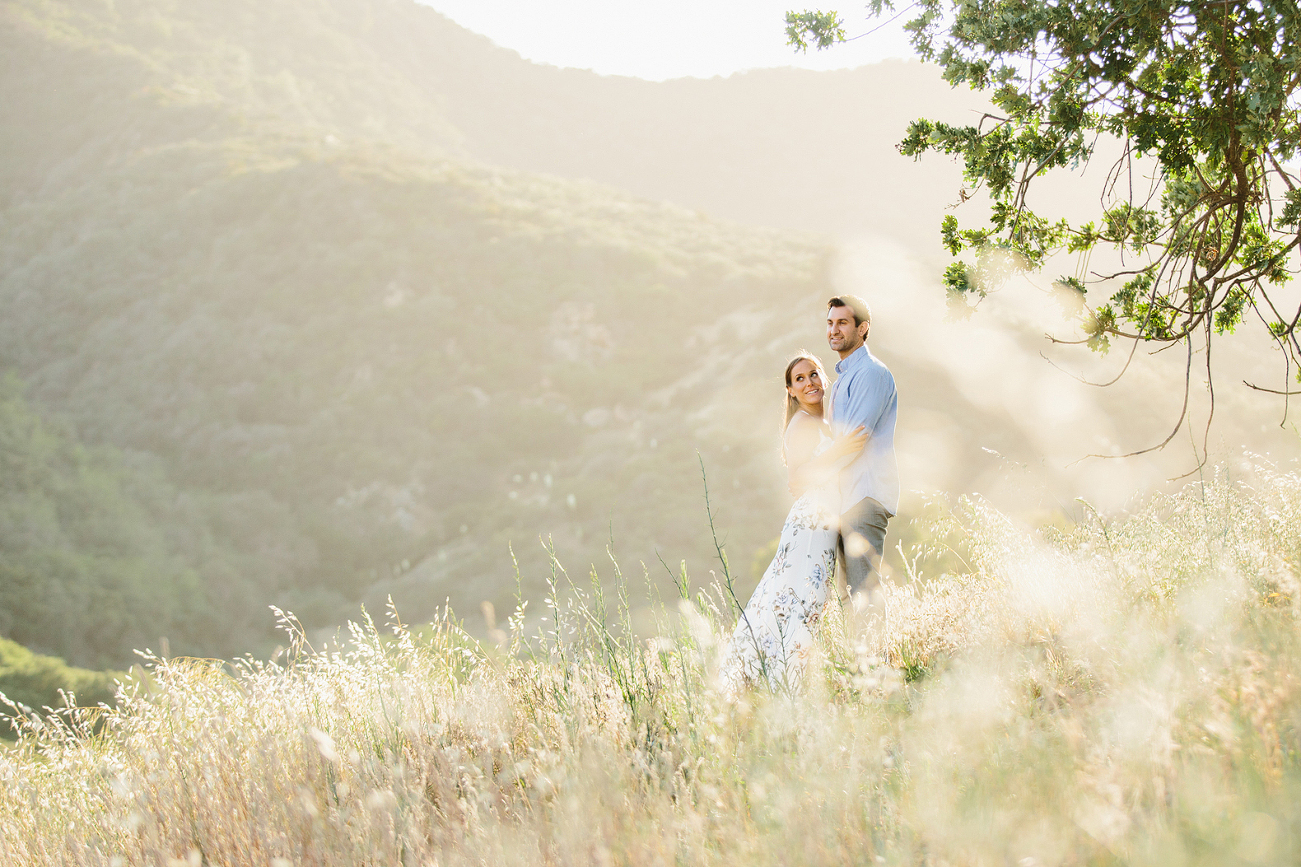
{"x":358,"y":359}
{"x":1121,"y":692}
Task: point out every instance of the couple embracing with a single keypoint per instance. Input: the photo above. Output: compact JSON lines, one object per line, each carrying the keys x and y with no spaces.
{"x":839,"y":455}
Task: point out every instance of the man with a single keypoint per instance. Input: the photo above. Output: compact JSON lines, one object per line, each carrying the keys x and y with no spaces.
{"x":863,"y":396}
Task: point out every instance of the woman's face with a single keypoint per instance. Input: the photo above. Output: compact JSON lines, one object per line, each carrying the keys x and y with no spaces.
{"x":806,"y":385}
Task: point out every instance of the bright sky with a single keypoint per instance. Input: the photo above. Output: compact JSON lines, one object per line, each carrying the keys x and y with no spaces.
{"x":661,"y":39}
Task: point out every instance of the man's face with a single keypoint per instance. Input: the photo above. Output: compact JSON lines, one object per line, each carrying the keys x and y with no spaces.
{"x":843,"y":336}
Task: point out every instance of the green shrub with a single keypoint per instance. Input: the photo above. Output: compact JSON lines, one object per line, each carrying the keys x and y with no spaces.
{"x":35,"y":681}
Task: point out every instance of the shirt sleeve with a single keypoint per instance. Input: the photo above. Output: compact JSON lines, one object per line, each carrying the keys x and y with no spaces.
{"x":865,"y":401}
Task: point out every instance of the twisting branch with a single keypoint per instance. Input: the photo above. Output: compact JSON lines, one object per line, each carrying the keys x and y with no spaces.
{"x":1183,"y":413}
{"x":1220,"y":220}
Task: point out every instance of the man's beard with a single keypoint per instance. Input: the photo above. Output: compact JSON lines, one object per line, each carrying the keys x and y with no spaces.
{"x":847,"y":343}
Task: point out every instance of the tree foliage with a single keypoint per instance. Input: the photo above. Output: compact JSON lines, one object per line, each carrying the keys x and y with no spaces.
{"x":87,"y":569}
{"x":1205,"y":228}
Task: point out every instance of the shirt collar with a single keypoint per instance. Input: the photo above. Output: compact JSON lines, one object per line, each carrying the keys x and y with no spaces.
{"x":853,"y":360}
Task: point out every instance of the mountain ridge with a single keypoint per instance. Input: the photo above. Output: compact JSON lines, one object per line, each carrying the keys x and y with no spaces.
{"x":822,"y":141}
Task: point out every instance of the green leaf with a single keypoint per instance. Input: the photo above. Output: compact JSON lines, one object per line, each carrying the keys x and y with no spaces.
{"x":822,"y":29}
{"x":1203,"y":96}
{"x":949,"y":232}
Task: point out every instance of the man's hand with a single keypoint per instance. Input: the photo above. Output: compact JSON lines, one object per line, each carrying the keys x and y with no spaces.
{"x":849,"y":444}
{"x":841,"y":447}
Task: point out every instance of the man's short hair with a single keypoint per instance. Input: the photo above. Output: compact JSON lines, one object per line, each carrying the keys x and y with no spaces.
{"x":862,"y":313}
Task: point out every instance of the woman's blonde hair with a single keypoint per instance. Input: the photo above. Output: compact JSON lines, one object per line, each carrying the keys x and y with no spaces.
{"x":792,"y":404}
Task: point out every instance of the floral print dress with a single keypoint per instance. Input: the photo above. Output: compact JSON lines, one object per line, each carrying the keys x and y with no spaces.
{"x":774,"y":636}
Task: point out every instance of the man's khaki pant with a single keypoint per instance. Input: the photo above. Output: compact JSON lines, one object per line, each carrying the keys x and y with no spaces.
{"x":861,"y":545}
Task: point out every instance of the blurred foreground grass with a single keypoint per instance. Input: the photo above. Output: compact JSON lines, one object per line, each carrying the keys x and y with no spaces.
{"x":1122,"y":690}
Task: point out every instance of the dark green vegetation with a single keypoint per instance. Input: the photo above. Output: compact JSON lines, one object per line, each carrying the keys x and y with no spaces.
{"x":1207,"y":228}
{"x":95,"y":553}
{"x":278,"y":348}
{"x":36,"y":681}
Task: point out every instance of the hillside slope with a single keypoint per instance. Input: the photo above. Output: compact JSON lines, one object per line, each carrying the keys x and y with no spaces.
{"x":357,"y":357}
{"x":256,"y":253}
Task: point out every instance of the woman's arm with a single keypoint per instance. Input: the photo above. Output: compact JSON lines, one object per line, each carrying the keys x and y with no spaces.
{"x":805,"y":471}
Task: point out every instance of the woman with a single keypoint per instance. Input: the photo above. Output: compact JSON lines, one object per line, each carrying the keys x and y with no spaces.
{"x":774,"y":636}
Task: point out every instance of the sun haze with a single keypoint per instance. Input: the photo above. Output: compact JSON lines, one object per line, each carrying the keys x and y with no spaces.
{"x":672,"y":39}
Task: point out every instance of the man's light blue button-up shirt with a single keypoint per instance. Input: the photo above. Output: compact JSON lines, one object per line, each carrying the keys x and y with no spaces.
{"x":864,"y":394}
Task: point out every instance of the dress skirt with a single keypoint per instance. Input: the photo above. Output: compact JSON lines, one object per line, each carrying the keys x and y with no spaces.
{"x":775,"y":634}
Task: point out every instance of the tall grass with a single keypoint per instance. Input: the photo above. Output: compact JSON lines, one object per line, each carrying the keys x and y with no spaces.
{"x":1118,"y":690}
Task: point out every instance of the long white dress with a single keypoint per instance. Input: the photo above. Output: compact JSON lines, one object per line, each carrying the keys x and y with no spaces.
{"x":774,"y":636}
